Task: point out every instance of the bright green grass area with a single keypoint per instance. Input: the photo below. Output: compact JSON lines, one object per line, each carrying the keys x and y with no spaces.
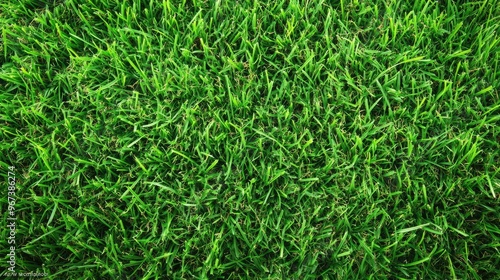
{"x":252,"y":139}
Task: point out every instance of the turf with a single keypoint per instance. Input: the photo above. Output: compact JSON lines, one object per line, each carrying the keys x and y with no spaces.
{"x":252,"y":139}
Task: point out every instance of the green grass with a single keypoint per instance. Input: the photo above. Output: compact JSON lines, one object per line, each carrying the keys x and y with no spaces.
{"x":252,"y":139}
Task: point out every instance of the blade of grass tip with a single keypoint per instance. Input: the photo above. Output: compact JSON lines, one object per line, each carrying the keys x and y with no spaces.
{"x":426,"y":259}
{"x":437,"y":231}
{"x":34,"y":241}
{"x":52,"y":214}
{"x":386,"y":99}
{"x":133,"y":143}
{"x":454,"y":32}
{"x":184,"y":156}
{"x":458,"y":231}
{"x":269,"y":87}
{"x":270,"y":138}
{"x":162,"y":186}
{"x":492,"y":189}
{"x":406,"y":230}
{"x":42,"y":154}
{"x":141,"y":165}
{"x":419,"y":58}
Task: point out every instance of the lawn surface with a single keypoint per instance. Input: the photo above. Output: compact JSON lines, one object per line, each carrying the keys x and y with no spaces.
{"x":251,"y":139}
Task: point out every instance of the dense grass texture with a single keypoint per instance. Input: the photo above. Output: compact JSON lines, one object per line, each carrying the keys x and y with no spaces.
{"x":252,"y":139}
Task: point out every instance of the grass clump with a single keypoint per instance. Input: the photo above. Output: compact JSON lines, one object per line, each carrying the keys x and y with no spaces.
{"x":252,"y":139}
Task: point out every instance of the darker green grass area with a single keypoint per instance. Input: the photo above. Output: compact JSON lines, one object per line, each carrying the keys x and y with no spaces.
{"x":252,"y":139}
